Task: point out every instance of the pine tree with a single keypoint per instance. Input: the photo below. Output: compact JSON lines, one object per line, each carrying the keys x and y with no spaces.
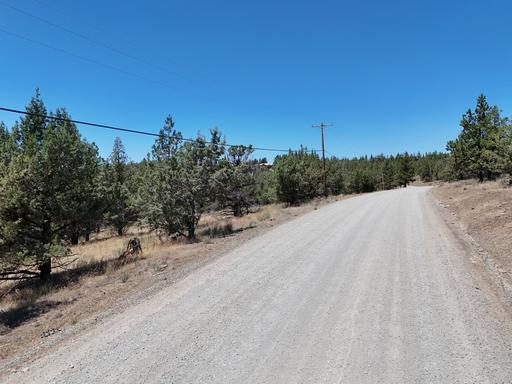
{"x":405,"y":172}
{"x":335,"y":176}
{"x":479,"y":151}
{"x":388,"y":174}
{"x":8,"y":146}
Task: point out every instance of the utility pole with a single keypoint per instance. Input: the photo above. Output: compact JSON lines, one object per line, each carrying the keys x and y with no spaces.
{"x":322,"y":126}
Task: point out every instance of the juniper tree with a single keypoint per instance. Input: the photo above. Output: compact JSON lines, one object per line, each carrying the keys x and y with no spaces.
{"x":197,"y":163}
{"x":42,"y":191}
{"x":235,"y":180}
{"x":120,"y":211}
{"x":181,"y":183}
{"x":298,"y":176}
{"x":159,"y":193}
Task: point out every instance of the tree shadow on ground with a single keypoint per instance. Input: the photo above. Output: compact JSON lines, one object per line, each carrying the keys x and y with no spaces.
{"x":26,"y":294}
{"x":20,"y":314}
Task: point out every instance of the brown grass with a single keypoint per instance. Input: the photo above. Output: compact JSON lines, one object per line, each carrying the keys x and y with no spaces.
{"x":95,"y":285}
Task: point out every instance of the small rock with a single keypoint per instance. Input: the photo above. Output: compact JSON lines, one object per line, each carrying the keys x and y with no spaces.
{"x":50,"y":332}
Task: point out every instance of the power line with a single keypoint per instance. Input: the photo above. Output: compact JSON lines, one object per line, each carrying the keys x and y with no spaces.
{"x":89,"y":39}
{"x":61,"y":50}
{"x":126,"y":129}
{"x":89,"y":25}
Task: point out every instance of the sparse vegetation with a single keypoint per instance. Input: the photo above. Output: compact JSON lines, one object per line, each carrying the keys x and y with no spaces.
{"x":56,"y":190}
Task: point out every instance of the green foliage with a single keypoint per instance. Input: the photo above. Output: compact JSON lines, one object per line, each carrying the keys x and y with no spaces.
{"x":363,"y":180}
{"x":435,"y":166}
{"x":182,"y":183}
{"x":118,"y":190}
{"x":406,"y":170}
{"x":55,"y":188}
{"x":235,"y":180}
{"x":266,"y":185}
{"x":480,"y":150}
{"x":335,"y":176}
{"x":47,"y":187}
{"x":298,"y":175}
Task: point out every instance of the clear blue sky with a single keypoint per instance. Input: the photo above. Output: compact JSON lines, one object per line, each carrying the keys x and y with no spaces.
{"x":391,"y":75}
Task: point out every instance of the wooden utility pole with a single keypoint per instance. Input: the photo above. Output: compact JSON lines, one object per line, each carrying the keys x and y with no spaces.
{"x":322,"y":126}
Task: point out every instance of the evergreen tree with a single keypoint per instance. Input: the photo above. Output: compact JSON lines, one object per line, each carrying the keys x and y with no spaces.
{"x":120,"y":211}
{"x":32,"y":125}
{"x":83,"y":162}
{"x":479,"y":151}
{"x":335,"y":176}
{"x":235,"y":180}
{"x":42,"y":191}
{"x":388,"y":174}
{"x":182,"y":181}
{"x":198,"y":162}
{"x":298,"y":176}
{"x":405,"y":172}
{"x":8,"y":145}
{"x":159,"y":196}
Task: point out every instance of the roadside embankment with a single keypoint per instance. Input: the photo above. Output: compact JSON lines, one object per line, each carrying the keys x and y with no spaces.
{"x":482,"y":212}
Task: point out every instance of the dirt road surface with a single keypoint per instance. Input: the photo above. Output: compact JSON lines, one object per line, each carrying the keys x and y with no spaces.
{"x":374,"y":289}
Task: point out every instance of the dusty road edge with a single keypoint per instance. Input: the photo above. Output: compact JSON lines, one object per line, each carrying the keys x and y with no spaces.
{"x":491,"y":271}
{"x":21,"y":361}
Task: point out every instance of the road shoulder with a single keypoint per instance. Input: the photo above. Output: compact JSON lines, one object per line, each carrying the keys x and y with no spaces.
{"x":460,"y":204}
{"x":94,"y":300}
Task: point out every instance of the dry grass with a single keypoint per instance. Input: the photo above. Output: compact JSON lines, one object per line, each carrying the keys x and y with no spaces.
{"x":96,"y":285}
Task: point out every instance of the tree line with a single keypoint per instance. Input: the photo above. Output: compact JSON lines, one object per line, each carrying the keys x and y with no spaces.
{"x":56,"y":190}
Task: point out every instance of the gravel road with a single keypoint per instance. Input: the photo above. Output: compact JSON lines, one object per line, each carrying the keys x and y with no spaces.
{"x":373,"y":289}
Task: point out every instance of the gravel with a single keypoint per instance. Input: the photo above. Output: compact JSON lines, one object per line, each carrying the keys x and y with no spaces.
{"x":374,"y":289}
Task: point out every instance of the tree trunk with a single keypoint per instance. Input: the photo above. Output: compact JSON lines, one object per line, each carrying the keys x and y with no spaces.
{"x":237,"y":209}
{"x":87,"y":236}
{"x":45,"y":269}
{"x":120,"y":231}
{"x":191,"y":231}
{"x":75,"y":236}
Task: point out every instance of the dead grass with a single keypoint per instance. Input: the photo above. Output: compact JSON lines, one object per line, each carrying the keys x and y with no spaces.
{"x":95,"y":285}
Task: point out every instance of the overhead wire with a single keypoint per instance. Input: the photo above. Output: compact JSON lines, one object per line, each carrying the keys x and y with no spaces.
{"x":89,"y":39}
{"x":146,"y":133}
{"x":100,"y":63}
{"x":54,"y":8}
{"x":106,"y":65}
